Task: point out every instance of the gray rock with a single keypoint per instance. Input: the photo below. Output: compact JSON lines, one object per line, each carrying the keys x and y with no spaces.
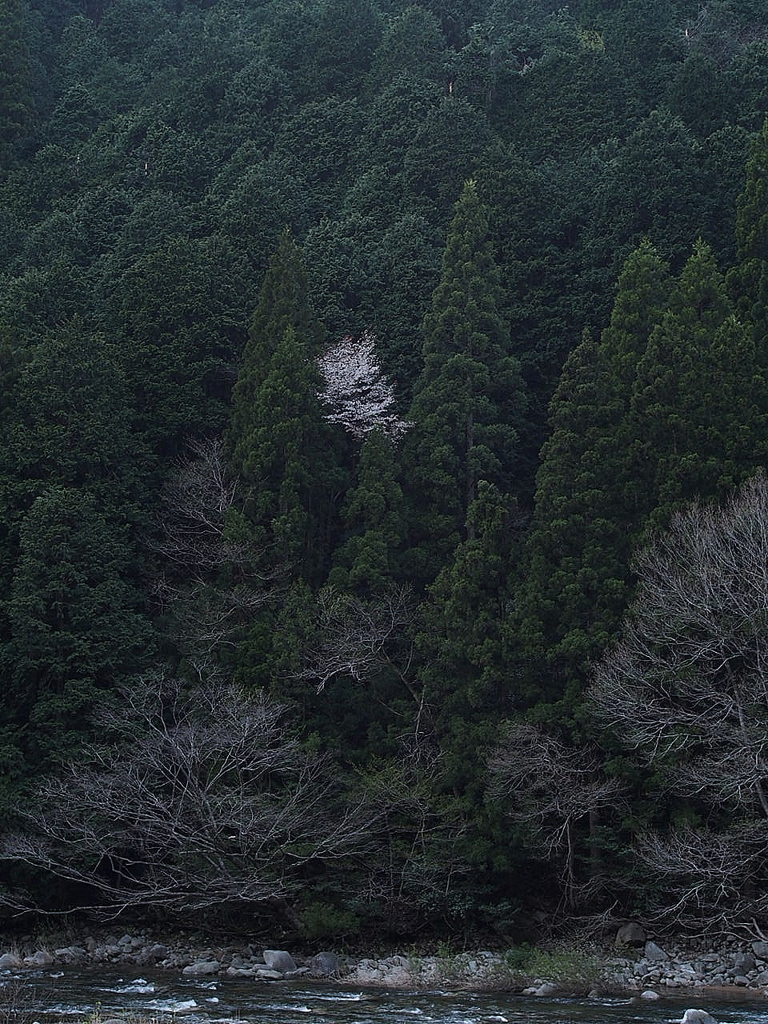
{"x":240,"y":972}
{"x":654,"y":952}
{"x":760,"y":949}
{"x":279,"y":960}
{"x":325,"y":965}
{"x":42,"y":958}
{"x":649,"y":995}
{"x":267,"y":975}
{"x":547,"y":989}
{"x":697,"y":1017}
{"x":743,"y":963}
{"x":202,"y":967}
{"x":630,"y":934}
{"x":10,"y":961}
{"x":157,"y":952}
{"x":71,"y":954}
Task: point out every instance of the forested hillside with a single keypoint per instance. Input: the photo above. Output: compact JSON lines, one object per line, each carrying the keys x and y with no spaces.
{"x":360,"y":362}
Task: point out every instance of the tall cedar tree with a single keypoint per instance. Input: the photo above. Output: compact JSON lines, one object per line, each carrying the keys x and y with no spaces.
{"x":748,"y":280}
{"x":698,"y":404}
{"x":76,"y":627}
{"x":15,"y":97}
{"x":469,"y":397}
{"x":462,"y":671}
{"x":367,"y":560}
{"x":280,"y":443}
{"x":574,"y":585}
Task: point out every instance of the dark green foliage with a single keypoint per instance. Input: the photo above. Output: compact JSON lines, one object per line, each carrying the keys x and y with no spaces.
{"x":689,"y":438}
{"x":153,"y":156}
{"x":281,"y":445}
{"x":469,"y":396}
{"x":373,"y":518}
{"x":181,"y":309}
{"x":75,"y":625}
{"x":412,"y":47}
{"x":15,"y":97}
{"x":464,"y":675}
{"x":444,"y":152}
{"x":588,"y":508}
{"x":71,"y":421}
{"x":574,"y":585}
{"x":283,"y":303}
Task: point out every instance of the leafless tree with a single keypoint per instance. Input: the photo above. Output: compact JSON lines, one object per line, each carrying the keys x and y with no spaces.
{"x":362,"y":637}
{"x":551,"y":788}
{"x":689,"y":676}
{"x":213,"y":575}
{"x":356,"y":392}
{"x":687,"y":684}
{"x":200,"y":800}
{"x":705,"y":874}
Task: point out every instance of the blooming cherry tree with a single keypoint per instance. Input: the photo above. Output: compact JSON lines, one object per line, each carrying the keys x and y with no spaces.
{"x":356,"y":391}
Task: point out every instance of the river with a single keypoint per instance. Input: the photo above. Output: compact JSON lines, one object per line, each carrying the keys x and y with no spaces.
{"x":74,"y":995}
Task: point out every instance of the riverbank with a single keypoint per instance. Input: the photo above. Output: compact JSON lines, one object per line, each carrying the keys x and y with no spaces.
{"x":649,"y":971}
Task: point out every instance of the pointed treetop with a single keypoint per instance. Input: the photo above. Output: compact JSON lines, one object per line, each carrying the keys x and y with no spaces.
{"x":643,"y":293}
{"x":700,"y":299}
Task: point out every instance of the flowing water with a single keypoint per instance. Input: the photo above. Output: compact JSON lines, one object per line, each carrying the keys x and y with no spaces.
{"x":75,"y":995}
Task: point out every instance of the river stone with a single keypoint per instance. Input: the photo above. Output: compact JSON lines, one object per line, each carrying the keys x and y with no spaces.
{"x":649,"y":994}
{"x":10,"y":961}
{"x":630,"y":934}
{"x":71,"y":954}
{"x":42,"y":958}
{"x":325,"y":965}
{"x":547,"y":989}
{"x":697,"y":1017}
{"x":202,"y":967}
{"x":240,"y":972}
{"x":266,"y":974}
{"x":654,"y":952}
{"x":279,"y":960}
{"x":760,"y":949}
{"x":743,"y":963}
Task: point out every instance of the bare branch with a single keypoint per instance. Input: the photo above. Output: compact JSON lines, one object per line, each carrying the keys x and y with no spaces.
{"x":200,"y":801}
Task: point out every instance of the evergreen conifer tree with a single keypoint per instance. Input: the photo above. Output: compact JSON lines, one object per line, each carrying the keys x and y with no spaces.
{"x":15,"y":100}
{"x":469,"y":397}
{"x":748,"y":280}
{"x":76,"y":626}
{"x":373,"y":516}
{"x":462,"y":670}
{"x":575,"y":567}
{"x":698,"y":401}
{"x":281,"y":445}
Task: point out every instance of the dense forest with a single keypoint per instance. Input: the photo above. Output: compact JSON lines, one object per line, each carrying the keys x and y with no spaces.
{"x":384,"y":396}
